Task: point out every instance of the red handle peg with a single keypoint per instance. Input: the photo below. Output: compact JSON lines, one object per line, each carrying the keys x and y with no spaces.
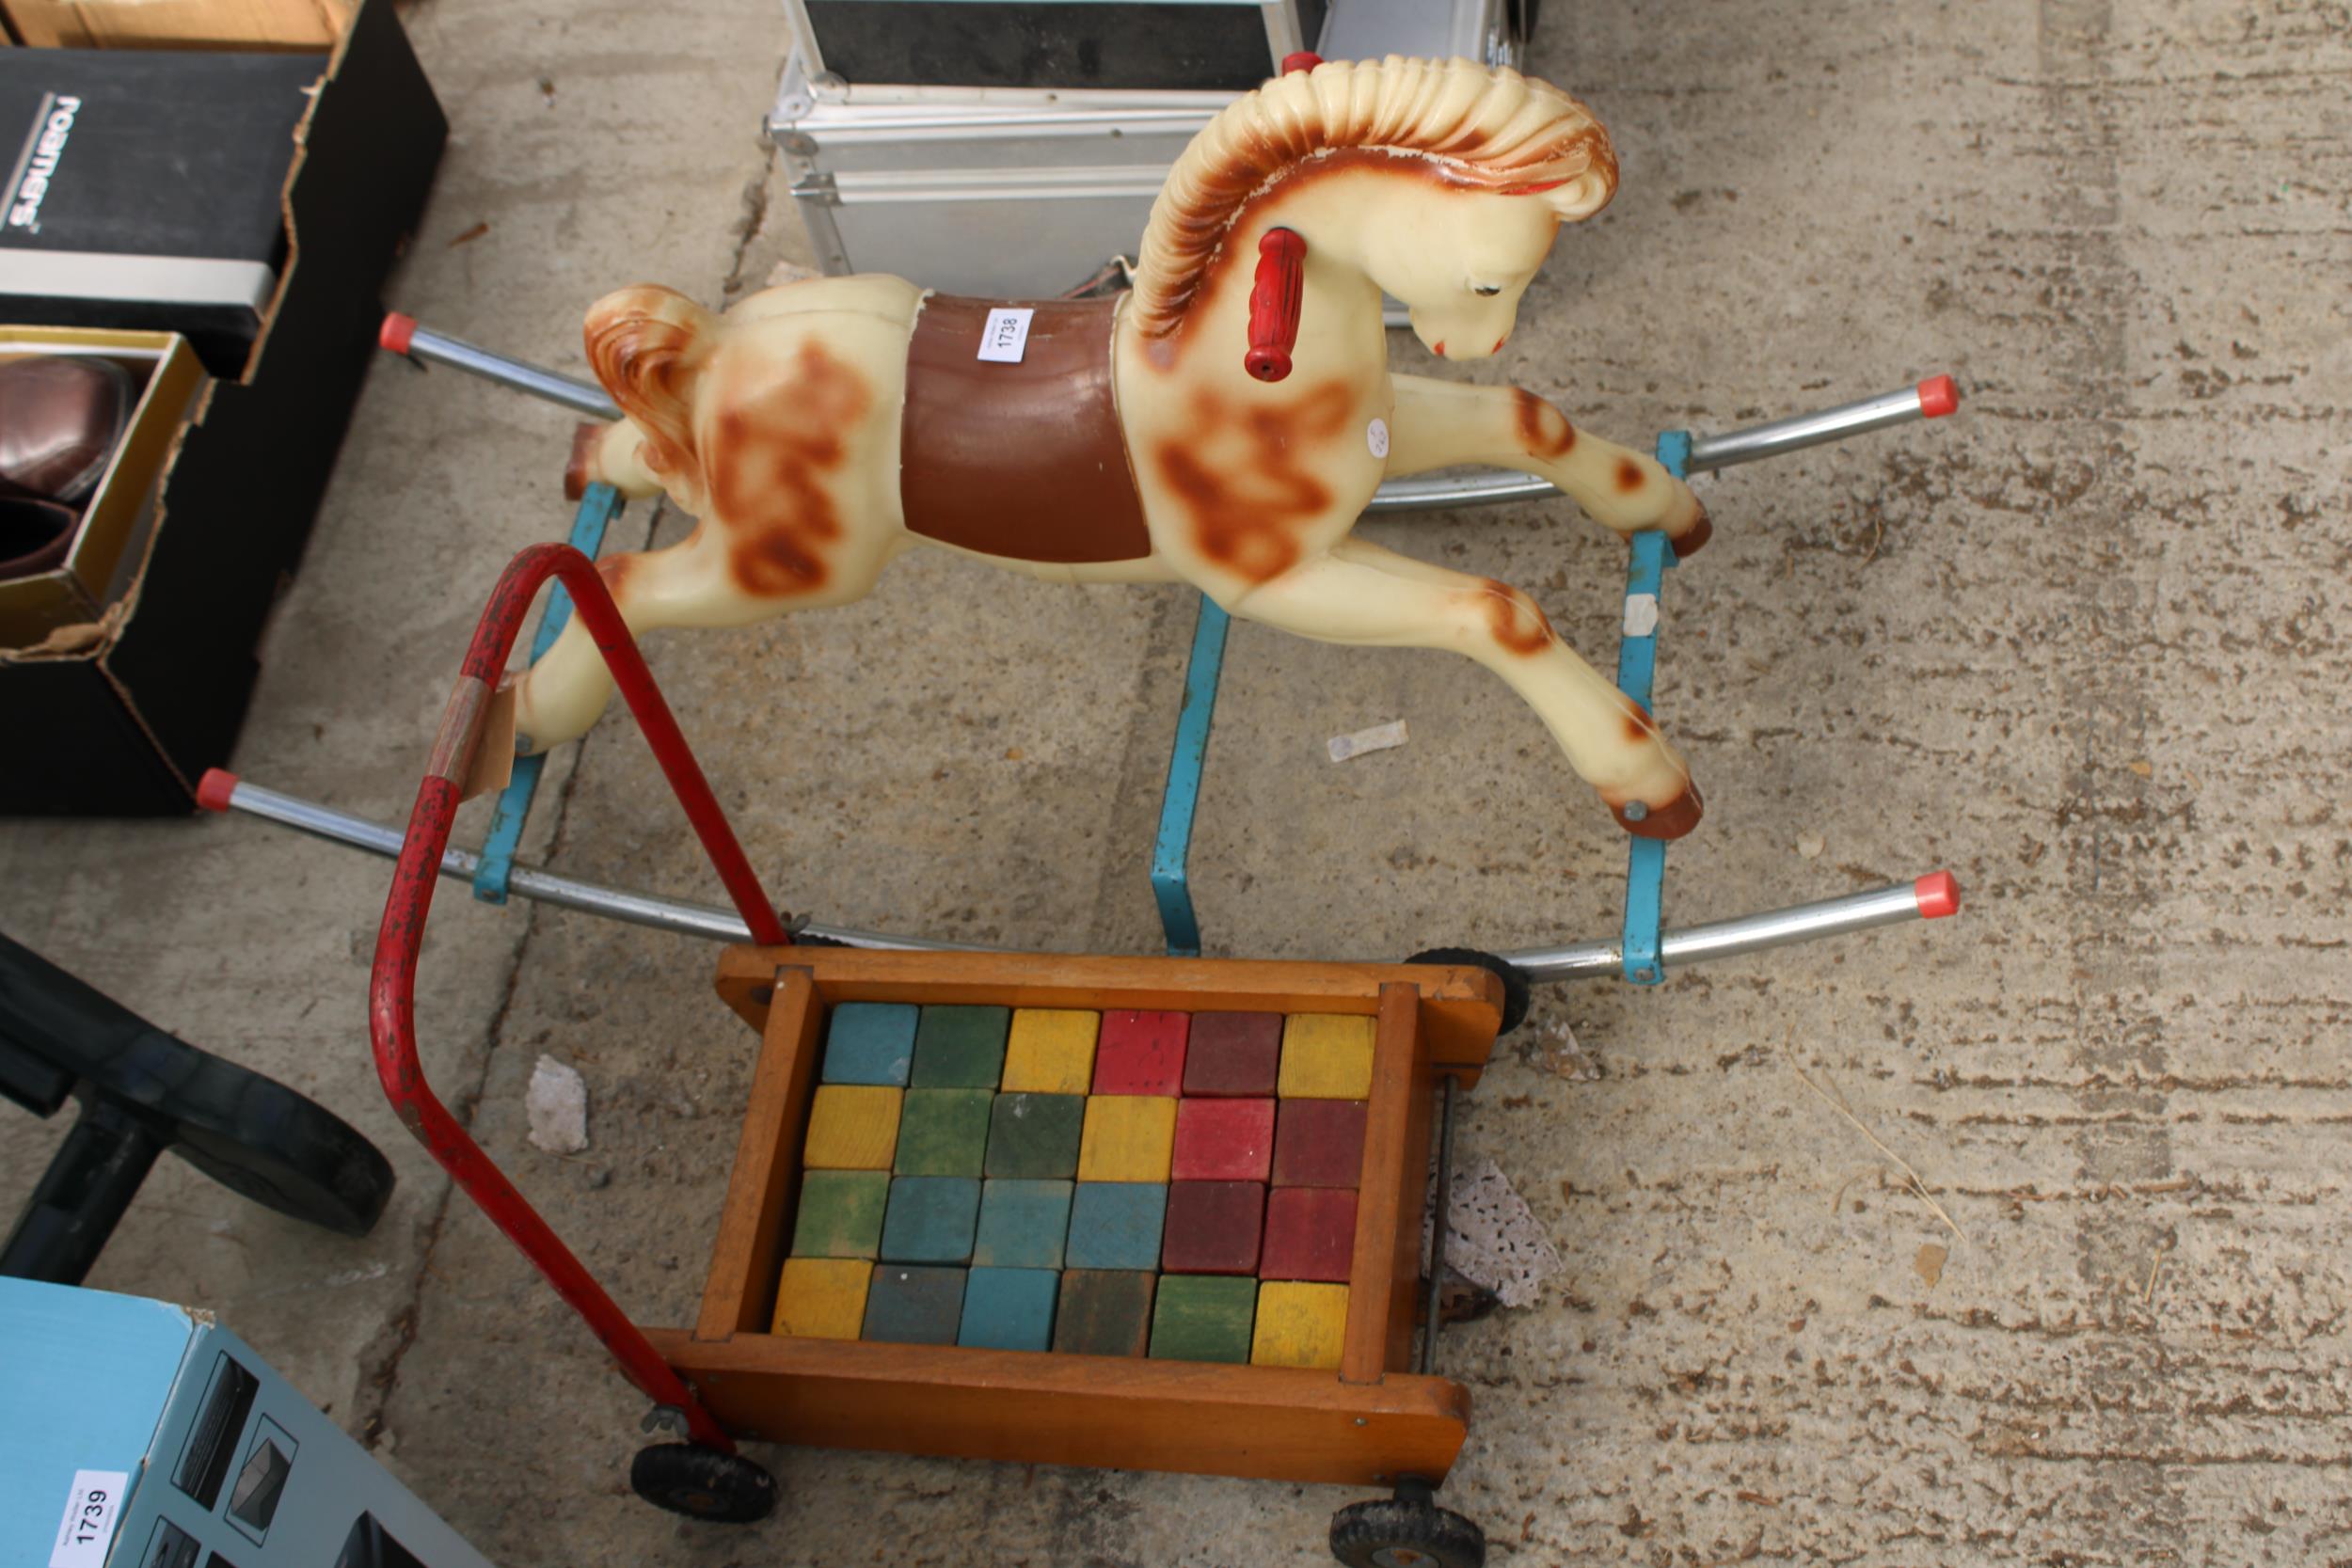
{"x":1274,"y":303}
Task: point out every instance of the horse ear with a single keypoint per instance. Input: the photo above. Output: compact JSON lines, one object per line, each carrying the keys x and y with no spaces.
{"x":1581,"y":198}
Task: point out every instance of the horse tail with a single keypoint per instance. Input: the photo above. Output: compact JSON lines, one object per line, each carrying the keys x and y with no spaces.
{"x":647,"y":345}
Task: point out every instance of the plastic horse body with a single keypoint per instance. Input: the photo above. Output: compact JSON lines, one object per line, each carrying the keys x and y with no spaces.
{"x":820,"y":428}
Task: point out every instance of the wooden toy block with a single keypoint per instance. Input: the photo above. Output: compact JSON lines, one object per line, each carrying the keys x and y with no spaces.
{"x":1022,"y":1224}
{"x":1310,"y":1234}
{"x":1127,"y":1138}
{"x":1232,"y":1056}
{"x":930,"y":1219}
{"x":959,"y":1048}
{"x":1319,"y":1143}
{"x":1223,"y":1140}
{"x":1141,"y":1054}
{"x":1105,"y":1312}
{"x":1212,"y":1228}
{"x":851,"y":1127}
{"x":915,"y":1307}
{"x":841,"y":1213}
{"x":869,"y":1042}
{"x":1299,"y":1326}
{"x":821,"y":1298}
{"x":1203,"y":1318}
{"x":942,"y":1132}
{"x":1009,"y":1308}
{"x":1050,"y":1050}
{"x":1035,"y":1135}
{"x":1116,"y":1225}
{"x":1324,"y":1056}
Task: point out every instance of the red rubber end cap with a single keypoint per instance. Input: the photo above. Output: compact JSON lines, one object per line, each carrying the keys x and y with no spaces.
{"x":1938,"y":396}
{"x":214,"y":789}
{"x":1305,"y":59}
{"x":396,"y":333}
{"x":1938,"y":893}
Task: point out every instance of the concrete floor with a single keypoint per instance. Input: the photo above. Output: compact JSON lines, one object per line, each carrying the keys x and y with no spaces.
{"x":2083,"y":645}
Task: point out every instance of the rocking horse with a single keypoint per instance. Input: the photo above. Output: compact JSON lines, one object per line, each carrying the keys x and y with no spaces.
{"x":1223,"y":424}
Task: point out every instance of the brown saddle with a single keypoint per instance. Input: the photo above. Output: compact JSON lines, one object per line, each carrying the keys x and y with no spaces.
{"x":1018,"y":458}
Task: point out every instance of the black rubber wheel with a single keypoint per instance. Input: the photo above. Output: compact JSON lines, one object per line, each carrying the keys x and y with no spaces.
{"x":703,"y":1483}
{"x":1516,"y":992}
{"x":1399,"y":1532}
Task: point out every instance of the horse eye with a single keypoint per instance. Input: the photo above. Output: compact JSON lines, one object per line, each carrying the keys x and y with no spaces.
{"x":1489,"y":289}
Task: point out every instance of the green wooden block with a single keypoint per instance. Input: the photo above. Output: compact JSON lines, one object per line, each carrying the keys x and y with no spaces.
{"x":1105,"y":1312}
{"x":915,"y":1307}
{"x":1022,"y":1225}
{"x":930,"y":1219}
{"x":961,"y":1048}
{"x":942,"y":1131}
{"x":1201,"y":1317}
{"x":1034,"y":1135}
{"x":841,"y":1213}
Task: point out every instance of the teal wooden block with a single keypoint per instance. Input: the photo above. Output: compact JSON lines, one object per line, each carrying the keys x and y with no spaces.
{"x":915,"y":1307}
{"x":1009,"y":1308}
{"x":840,"y":1213}
{"x":1116,"y":1225}
{"x":1034,"y":1135}
{"x":930,"y":1219}
{"x":869,"y":1042}
{"x":961,"y":1048}
{"x":942,"y":1131}
{"x":1022,"y":1225}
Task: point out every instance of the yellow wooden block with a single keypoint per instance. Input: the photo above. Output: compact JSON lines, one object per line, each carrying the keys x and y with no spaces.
{"x":853,"y":1127}
{"x":1128,"y":1137}
{"x":1299,"y":1326}
{"x":1050,"y":1050}
{"x":823,"y":1298}
{"x":1325,"y":1056}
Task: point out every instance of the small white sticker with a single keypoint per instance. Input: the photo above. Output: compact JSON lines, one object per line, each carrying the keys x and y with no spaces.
{"x":1641,"y":614}
{"x":1006,"y":337}
{"x":91,"y":1512}
{"x":1377,"y":437}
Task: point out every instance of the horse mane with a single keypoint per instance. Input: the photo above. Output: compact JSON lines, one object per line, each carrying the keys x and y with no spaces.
{"x":1489,"y":128}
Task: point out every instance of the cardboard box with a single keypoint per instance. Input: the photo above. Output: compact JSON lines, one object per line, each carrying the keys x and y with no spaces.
{"x":116,"y":514}
{"x":178,"y":23}
{"x":120,"y":716}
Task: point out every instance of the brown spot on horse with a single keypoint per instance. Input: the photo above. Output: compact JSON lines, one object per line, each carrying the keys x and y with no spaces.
{"x":1543,"y":429}
{"x":1513,"y":618}
{"x":1245,"y":513}
{"x":771,"y":453}
{"x":1629,"y":475}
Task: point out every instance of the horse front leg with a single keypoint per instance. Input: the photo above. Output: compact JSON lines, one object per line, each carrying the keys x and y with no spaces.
{"x":1361,"y":593}
{"x":1439,"y":423}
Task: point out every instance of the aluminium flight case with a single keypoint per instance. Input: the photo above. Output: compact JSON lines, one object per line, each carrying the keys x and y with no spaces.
{"x":1025,"y":176}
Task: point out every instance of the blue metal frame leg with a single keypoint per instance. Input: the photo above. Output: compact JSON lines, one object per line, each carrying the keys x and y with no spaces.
{"x":598,"y":507}
{"x":1171,"y":886}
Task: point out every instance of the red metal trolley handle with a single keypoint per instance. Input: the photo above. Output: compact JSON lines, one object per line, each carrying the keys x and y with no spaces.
{"x":392,"y":987}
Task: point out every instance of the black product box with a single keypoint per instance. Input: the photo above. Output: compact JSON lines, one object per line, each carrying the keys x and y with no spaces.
{"x":145,"y":188}
{"x":122,"y":717}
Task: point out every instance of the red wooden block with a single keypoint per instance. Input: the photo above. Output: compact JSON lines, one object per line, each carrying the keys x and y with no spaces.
{"x":1224,"y":1140}
{"x":1234,"y":1055}
{"x":1212,"y":1228}
{"x":1319,"y":1143}
{"x":1141,"y":1054}
{"x":1310,"y":1234}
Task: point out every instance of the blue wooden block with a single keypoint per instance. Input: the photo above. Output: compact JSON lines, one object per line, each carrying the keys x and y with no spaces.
{"x":1009,"y":1308}
{"x":929,"y":1219}
{"x":870,"y":1043}
{"x":914,"y":1306}
{"x":1116,"y":1225}
{"x":1022,"y":1225}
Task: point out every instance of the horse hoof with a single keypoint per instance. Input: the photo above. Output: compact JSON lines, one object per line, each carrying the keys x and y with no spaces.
{"x":1674,"y":819}
{"x":1692,"y":539}
{"x":584,"y":438}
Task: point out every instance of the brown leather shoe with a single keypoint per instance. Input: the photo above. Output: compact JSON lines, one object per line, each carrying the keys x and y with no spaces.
{"x":60,"y":416}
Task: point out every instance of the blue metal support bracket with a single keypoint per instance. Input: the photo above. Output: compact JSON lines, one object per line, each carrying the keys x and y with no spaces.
{"x":1650,"y":559}
{"x":598,"y":508}
{"x":1174,"y":848}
